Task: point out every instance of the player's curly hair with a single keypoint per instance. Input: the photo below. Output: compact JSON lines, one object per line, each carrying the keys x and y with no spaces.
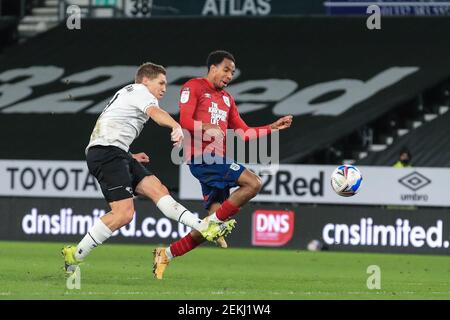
{"x":216,"y":58}
{"x":149,"y":70}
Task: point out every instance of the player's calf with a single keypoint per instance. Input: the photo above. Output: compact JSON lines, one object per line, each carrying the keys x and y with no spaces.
{"x":163,"y":256}
{"x":152,"y":187}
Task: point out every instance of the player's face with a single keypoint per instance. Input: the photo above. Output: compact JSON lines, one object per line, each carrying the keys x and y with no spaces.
{"x":223,"y":73}
{"x":156,"y":86}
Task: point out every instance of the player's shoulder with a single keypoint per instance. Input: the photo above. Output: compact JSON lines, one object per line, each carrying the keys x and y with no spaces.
{"x":132,"y":88}
{"x":138,"y":87}
{"x":140,"y":90}
{"x":194,"y":83}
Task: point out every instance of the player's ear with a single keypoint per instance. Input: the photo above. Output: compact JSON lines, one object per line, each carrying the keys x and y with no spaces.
{"x":144,"y":80}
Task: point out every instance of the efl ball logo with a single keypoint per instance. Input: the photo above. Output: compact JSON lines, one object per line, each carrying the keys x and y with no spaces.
{"x":272,"y":227}
{"x":346,"y":180}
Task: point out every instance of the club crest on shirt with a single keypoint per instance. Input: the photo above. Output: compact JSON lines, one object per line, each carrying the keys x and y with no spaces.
{"x":226,"y":100}
{"x":185,"y":95}
{"x":207,"y":95}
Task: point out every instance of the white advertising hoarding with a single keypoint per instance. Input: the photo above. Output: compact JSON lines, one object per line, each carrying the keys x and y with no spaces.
{"x":45,"y":178}
{"x":311,"y":184}
{"x":285,"y":184}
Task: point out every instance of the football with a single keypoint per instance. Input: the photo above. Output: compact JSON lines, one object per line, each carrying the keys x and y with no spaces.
{"x":346,"y":180}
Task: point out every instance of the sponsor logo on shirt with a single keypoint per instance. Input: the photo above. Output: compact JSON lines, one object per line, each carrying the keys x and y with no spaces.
{"x":216,"y":114}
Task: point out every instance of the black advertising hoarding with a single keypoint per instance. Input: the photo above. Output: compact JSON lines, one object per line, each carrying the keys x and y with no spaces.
{"x":338,"y":228}
{"x":333,"y":74}
{"x":369,"y":229}
{"x":68,"y":220}
{"x":227,"y":7}
{"x":389,"y":7}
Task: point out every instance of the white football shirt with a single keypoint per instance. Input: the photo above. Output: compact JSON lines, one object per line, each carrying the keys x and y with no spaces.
{"x":123,"y":118}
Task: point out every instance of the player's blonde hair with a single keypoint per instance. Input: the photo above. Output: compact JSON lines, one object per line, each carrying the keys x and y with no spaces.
{"x":149,"y":70}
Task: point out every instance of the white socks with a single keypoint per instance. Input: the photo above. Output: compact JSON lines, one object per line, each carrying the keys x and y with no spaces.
{"x":171,"y":209}
{"x":169,"y":253}
{"x":176,"y":211}
{"x":96,"y":236}
{"x":213,"y":217}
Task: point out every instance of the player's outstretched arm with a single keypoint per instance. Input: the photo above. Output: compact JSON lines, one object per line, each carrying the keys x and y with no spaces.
{"x":282,"y":123}
{"x":250,"y":133}
{"x":161,"y":117}
{"x":164,"y":119}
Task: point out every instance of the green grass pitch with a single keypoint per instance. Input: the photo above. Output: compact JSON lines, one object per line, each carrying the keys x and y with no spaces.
{"x":30,"y":270}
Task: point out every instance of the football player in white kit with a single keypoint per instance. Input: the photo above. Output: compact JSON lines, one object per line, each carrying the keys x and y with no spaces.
{"x":121,"y":174}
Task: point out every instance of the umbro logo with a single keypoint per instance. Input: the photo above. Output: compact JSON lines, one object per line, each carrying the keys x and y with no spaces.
{"x":414,"y":181}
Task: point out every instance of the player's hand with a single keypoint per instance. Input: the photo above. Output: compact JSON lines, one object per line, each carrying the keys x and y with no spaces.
{"x":141,"y":157}
{"x":213,"y":130}
{"x":177,"y":136}
{"x":282,"y":123}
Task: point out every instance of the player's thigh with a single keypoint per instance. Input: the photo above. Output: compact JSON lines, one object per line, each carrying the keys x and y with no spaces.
{"x":151,"y":187}
{"x":138,"y":172}
{"x":110,"y":167}
{"x":248,"y":178}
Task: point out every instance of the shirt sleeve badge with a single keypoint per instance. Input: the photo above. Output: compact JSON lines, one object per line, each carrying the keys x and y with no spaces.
{"x":185,"y":95}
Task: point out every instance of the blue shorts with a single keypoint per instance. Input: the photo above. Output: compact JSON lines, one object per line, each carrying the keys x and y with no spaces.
{"x":216,"y":179}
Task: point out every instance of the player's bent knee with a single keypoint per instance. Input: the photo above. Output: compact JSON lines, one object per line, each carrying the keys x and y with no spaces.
{"x":152,"y":188}
{"x":156,"y":192}
{"x":163,"y":190}
{"x":255,"y":185}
